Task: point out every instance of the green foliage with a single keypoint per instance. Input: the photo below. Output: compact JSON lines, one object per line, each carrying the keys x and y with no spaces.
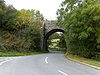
{"x":28,"y":18}
{"x":11,"y":43}
{"x":55,"y":36}
{"x":12,"y":54}
{"x":7,"y":16}
{"x":62,"y":43}
{"x":53,"y":41}
{"x":19,"y":30}
{"x":32,"y":34}
{"x":57,"y":40}
{"x":81,"y":22}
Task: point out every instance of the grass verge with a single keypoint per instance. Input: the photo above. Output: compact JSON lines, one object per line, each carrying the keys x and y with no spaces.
{"x":84,"y":60}
{"x":12,"y":54}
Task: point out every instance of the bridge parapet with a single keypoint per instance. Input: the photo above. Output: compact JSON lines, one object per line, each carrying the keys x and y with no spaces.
{"x":48,"y":26}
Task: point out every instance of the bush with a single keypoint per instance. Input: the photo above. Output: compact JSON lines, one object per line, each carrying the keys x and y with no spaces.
{"x":26,"y":40}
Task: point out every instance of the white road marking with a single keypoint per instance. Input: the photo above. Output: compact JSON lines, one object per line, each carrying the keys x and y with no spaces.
{"x":6,"y":60}
{"x":46,"y":60}
{"x":62,"y":72}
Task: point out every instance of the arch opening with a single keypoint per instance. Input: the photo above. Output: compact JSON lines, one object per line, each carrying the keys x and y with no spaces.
{"x":48,"y":35}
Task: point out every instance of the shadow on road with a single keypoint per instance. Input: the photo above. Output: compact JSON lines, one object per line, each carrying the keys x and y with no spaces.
{"x":57,"y":52}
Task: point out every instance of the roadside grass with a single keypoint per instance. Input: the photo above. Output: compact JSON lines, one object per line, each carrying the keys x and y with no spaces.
{"x":92,"y":62}
{"x":12,"y":54}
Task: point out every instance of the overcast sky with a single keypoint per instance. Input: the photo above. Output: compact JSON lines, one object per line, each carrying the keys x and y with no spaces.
{"x":47,"y":7}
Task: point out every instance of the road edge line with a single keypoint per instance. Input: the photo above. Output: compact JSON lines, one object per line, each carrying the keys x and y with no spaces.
{"x":97,"y":68}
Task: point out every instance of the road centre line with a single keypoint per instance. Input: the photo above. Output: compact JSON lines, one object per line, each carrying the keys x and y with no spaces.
{"x":46,"y":60}
{"x":62,"y":72}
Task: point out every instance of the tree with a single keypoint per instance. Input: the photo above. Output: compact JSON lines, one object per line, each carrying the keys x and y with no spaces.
{"x":19,"y":29}
{"x":82,"y":24}
{"x":7,"y":16}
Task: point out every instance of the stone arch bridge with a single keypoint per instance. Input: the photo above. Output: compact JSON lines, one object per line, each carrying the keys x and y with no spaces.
{"x":48,"y":29}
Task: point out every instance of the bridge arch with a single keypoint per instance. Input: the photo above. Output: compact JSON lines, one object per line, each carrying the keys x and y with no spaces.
{"x":48,"y":35}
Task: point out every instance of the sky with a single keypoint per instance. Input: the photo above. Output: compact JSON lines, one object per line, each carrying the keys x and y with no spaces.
{"x":47,"y":7}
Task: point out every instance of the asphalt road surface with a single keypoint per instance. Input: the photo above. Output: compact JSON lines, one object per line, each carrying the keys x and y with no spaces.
{"x":44,"y":64}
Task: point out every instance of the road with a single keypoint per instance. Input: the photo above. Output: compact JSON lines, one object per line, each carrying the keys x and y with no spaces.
{"x":45,"y":64}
